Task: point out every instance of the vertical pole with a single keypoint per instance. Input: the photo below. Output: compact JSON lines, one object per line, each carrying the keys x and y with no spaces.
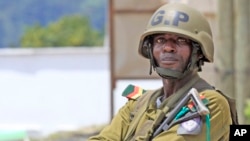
{"x":242,"y":51}
{"x":224,"y":62}
{"x":111,"y":56}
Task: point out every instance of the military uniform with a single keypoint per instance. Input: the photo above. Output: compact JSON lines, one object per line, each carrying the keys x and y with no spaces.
{"x":192,"y":130}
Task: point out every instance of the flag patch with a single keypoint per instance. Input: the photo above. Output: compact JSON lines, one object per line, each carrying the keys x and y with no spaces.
{"x":133,"y":92}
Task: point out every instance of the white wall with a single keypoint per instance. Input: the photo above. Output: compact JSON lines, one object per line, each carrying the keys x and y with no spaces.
{"x":53,"y":89}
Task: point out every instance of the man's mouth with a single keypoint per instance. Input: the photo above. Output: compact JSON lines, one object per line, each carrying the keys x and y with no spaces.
{"x":168,"y":60}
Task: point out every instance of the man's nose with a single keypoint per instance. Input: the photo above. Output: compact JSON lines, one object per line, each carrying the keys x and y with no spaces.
{"x":169,"y":46}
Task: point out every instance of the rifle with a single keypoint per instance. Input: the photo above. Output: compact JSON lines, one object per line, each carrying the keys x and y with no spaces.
{"x":169,"y":121}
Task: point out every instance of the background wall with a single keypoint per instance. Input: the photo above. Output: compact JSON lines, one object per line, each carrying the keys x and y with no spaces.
{"x":53,"y":89}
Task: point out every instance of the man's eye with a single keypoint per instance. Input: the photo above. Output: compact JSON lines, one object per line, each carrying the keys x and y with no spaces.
{"x":159,"y":41}
{"x":182,"y":41}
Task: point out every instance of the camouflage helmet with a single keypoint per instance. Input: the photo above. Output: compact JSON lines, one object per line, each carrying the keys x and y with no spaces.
{"x":180,"y":19}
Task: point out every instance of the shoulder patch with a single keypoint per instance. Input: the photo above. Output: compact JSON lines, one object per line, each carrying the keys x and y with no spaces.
{"x":133,"y":92}
{"x":190,"y":127}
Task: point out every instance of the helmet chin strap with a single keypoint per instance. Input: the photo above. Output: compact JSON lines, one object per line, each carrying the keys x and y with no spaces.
{"x":173,"y":74}
{"x":168,"y":73}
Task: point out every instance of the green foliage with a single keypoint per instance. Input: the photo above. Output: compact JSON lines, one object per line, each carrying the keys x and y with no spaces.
{"x":68,"y":31}
{"x":247,"y":111}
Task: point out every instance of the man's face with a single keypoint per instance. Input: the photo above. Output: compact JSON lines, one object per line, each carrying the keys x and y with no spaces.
{"x":171,"y":51}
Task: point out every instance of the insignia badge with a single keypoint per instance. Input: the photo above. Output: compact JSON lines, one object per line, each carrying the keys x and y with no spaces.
{"x":190,"y":127}
{"x":133,"y":92}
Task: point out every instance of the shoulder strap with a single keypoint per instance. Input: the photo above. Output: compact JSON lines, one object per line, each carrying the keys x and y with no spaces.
{"x":202,"y":85}
{"x":233,"y":110}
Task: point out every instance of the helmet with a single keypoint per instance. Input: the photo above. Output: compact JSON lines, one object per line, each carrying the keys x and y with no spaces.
{"x":181,"y":19}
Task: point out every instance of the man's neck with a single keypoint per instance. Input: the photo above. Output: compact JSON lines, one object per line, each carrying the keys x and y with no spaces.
{"x":170,"y":86}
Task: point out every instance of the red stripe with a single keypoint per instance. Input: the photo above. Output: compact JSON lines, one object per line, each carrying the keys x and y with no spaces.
{"x":136,"y":90}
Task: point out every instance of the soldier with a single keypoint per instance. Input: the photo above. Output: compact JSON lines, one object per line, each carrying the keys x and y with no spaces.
{"x":177,"y":41}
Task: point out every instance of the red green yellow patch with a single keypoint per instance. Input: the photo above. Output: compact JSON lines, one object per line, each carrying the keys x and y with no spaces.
{"x":133,"y":92}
